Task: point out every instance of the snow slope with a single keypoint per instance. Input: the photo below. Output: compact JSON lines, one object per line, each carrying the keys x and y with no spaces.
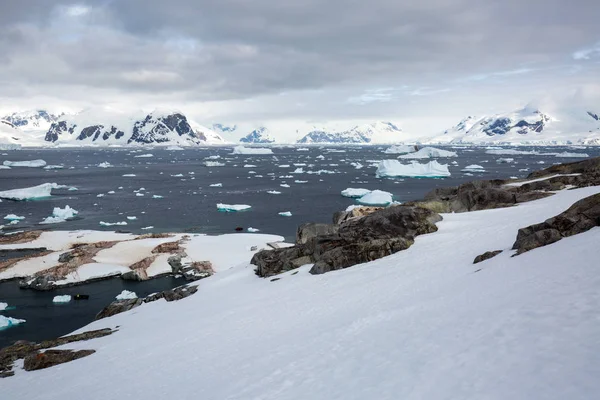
{"x":32,"y":119}
{"x":424,"y":323}
{"x":527,"y":126}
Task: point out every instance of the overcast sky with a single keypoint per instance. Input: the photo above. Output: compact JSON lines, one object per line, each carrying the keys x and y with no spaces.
{"x":255,"y":61}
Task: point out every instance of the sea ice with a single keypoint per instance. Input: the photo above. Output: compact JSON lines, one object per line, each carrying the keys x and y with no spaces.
{"x":145,"y":155}
{"x":62,"y":299}
{"x":394,"y":168}
{"x":273,"y":192}
{"x":30,"y":164}
{"x":376,"y":198}
{"x":54,"y":167}
{"x":129,"y":175}
{"x":31,"y":193}
{"x":400,"y":149}
{"x":505,"y":160}
{"x":131,"y":218}
{"x":355,"y":193}
{"x":3,"y":306}
{"x":213,"y":164}
{"x":60,"y":215}
{"x":232,"y":207}
{"x":126,"y":295}
{"x":122,"y":223}
{"x":566,"y":154}
{"x":251,"y":150}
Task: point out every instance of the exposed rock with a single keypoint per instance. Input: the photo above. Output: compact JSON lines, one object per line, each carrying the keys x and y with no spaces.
{"x":486,"y":256}
{"x":23,"y":237}
{"x":50,"y":358}
{"x":342,"y":216}
{"x":358,"y":240}
{"x":197,"y":270}
{"x":178,"y":293}
{"x":169,"y":247}
{"x":311,"y":230}
{"x":175,"y":263}
{"x":65,"y":257}
{"x":586,"y":167}
{"x":580,"y":217}
{"x":21,"y":349}
{"x":40,"y":282}
{"x":117,"y":307}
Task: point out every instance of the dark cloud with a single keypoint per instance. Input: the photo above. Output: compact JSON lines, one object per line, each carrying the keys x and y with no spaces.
{"x":237,"y":49}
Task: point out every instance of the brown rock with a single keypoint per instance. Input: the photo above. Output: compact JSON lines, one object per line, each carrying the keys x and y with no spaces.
{"x":486,"y":256}
{"x":50,"y":358}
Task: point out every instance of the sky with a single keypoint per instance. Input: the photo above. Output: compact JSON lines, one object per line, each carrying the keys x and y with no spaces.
{"x":423,"y":65}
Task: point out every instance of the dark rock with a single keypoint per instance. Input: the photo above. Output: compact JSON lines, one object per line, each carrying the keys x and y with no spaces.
{"x":486,"y":256}
{"x":580,"y":217}
{"x":530,"y":196}
{"x":42,"y":282}
{"x":65,"y":257}
{"x":117,"y":307}
{"x":588,"y":167}
{"x":50,"y":358}
{"x":484,"y":199}
{"x":178,"y":293}
{"x":132,"y":276}
{"x":175,"y":263}
{"x":311,"y":230}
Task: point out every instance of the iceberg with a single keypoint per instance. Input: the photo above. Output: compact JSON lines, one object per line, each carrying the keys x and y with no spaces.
{"x":273,"y":192}
{"x":213,"y":164}
{"x":104,"y":165}
{"x":285,"y":214}
{"x":31,"y":193}
{"x":126,"y":295}
{"x":428,"y":152}
{"x":216,"y":185}
{"x":60,"y":215}
{"x":62,"y":299}
{"x":252,"y":230}
{"x":376,"y":198}
{"x":251,"y":150}
{"x":129,"y":175}
{"x":394,"y":168}
{"x":473,"y":168}
{"x":3,"y":306}
{"x":30,"y":164}
{"x":355,"y":193}
{"x":400,"y":149}
{"x":232,"y":207}
{"x":7,"y":322}
{"x":13,"y":217}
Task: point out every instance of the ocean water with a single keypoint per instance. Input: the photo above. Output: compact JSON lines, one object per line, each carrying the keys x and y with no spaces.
{"x":189,"y":203}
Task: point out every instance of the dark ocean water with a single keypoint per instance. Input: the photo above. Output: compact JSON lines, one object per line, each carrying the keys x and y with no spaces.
{"x":189,"y":202}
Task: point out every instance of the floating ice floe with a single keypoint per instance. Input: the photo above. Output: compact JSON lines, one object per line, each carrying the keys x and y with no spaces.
{"x":13,"y":217}
{"x":104,"y":165}
{"x":400,"y":149}
{"x":428,"y":152}
{"x":129,"y":175}
{"x":213,"y":164}
{"x":473,"y":168}
{"x":509,"y":152}
{"x":251,"y":150}
{"x":253,"y":230}
{"x":273,"y":192}
{"x":394,"y":168}
{"x":249,"y":166}
{"x":355,"y":193}
{"x":3,"y":306}
{"x":30,"y":164}
{"x":174,"y":148}
{"x":126,"y":295}
{"x":376,"y":198}
{"x":60,"y":215}
{"x":216,"y":185}
{"x":232,"y":207}
{"x":122,"y":223}
{"x":566,"y":154}
{"x":356,"y":165}
{"x":285,"y":214}
{"x":146,"y":228}
{"x":131,"y":218}
{"x":297,"y":181}
{"x":149,"y":155}
{"x":62,"y":299}
{"x":285,"y":185}
{"x":157,"y":196}
{"x":4,"y":167}
{"x":31,"y":193}
{"x":7,"y":322}
{"x":505,"y":160}
{"x":54,"y":167}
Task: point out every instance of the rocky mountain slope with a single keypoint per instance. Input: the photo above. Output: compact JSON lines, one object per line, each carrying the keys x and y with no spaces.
{"x":259,"y":135}
{"x":32,"y":120}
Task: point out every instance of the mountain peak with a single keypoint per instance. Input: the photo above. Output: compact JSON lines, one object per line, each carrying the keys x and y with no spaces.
{"x":259,"y":135}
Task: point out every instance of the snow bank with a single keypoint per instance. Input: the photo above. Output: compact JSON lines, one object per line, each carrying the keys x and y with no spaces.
{"x":428,"y":152}
{"x":400,"y":149}
{"x":7,"y":322}
{"x":126,"y":295}
{"x":376,"y":198}
{"x":355,"y":193}
{"x":31,"y":193}
{"x":60,"y":215}
{"x":232,"y":207}
{"x":30,"y":164}
{"x":62,"y":299}
{"x":251,"y":150}
{"x":394,"y":168}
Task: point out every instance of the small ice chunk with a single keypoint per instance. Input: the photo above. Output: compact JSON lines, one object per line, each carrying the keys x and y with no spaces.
{"x":7,"y":322}
{"x":129,"y":175}
{"x":273,"y":192}
{"x":252,"y":230}
{"x":126,"y":295}
{"x":131,"y":218}
{"x":285,"y":185}
{"x":149,"y":155}
{"x":157,"y":196}
{"x":232,"y":207}
{"x":3,"y":306}
{"x":566,"y":154}
{"x":428,"y":152}
{"x":285,"y":214}
{"x":213,"y":164}
{"x":146,"y":228}
{"x":216,"y":185}
{"x":473,"y":168}
{"x":122,"y":223}
{"x":505,"y":160}
{"x":401,"y":149}
{"x":104,"y":165}
{"x":13,"y":217}
{"x":54,"y":167}
{"x":62,"y":299}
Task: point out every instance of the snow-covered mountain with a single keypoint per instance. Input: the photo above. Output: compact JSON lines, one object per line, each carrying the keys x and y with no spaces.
{"x":222,"y":128}
{"x":32,"y":120}
{"x":526,"y":126}
{"x":376,"y":132}
{"x":10,"y":137}
{"x":259,"y":135}
{"x":105,"y":127}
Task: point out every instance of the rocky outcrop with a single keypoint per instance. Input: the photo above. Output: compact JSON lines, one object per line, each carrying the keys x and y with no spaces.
{"x":50,"y":358}
{"x":23,"y":349}
{"x":119,"y":306}
{"x":310,"y":230}
{"x":580,"y":217}
{"x":358,"y":240}
{"x":590,"y":168}
{"x":486,"y":256}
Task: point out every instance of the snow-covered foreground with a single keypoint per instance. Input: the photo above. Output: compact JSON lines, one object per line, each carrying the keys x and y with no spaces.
{"x":424,"y":323}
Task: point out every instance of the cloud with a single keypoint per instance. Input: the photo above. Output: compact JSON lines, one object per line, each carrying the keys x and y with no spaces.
{"x":587,"y":53}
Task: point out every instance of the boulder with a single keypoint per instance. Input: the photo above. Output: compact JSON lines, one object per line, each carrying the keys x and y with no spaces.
{"x":50,"y":358}
{"x":117,"y":307}
{"x":41,"y":282}
{"x":486,"y":256}
{"x":175,"y":263}
{"x":580,"y":217}
{"x":311,"y":230}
